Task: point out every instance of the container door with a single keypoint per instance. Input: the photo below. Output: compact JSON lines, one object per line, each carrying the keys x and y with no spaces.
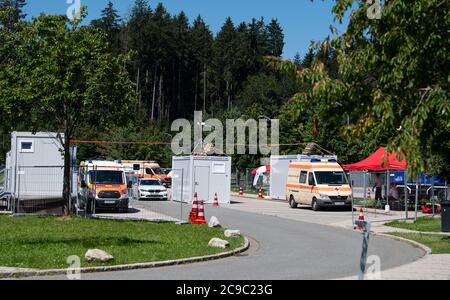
{"x":201,"y":183}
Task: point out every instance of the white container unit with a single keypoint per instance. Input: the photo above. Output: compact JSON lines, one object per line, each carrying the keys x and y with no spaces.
{"x":279,"y":166}
{"x":36,"y":165}
{"x":205,"y":175}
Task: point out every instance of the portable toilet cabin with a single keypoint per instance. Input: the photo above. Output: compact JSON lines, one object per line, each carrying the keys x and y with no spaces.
{"x":36,"y":171}
{"x":204,"y":175}
{"x":279,"y":166}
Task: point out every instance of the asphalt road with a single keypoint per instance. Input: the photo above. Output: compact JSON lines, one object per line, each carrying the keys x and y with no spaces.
{"x":284,"y":249}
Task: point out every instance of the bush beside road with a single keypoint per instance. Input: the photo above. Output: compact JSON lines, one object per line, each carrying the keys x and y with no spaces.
{"x":47,"y":242}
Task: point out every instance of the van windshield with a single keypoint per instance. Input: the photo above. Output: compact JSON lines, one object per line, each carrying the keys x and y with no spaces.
{"x":331,"y":178}
{"x":106,"y":177}
{"x":150,"y":182}
{"x":159,"y":171}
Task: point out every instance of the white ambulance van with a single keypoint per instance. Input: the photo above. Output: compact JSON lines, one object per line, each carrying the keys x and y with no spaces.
{"x":318,"y":182}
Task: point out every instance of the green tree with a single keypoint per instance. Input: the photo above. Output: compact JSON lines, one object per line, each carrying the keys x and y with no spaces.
{"x":110,"y":20}
{"x":201,"y":41}
{"x":275,"y":38}
{"x":62,"y":76}
{"x":224,"y":56}
{"x":309,"y":58}
{"x":297,"y":60}
{"x":110,"y":24}
{"x":393,"y":79}
{"x":15,"y":13}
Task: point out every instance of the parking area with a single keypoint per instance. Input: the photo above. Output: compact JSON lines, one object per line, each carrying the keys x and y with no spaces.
{"x":139,"y":211}
{"x":281,"y":209}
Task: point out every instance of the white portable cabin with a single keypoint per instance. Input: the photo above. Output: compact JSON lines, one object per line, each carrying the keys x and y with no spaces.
{"x":279,"y":166}
{"x":35,"y":165}
{"x":204,"y":175}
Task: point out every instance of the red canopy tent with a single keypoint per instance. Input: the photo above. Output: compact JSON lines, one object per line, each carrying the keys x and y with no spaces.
{"x":381,"y":160}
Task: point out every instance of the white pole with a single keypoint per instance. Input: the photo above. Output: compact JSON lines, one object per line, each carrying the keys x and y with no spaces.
{"x":406,"y":195}
{"x":432,"y":195}
{"x":365,"y":189}
{"x":388,"y":189}
{"x":353,"y":201}
{"x":417,"y":198}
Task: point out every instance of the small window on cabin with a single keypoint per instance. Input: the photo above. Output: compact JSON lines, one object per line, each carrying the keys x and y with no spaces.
{"x":136,"y":167}
{"x":311,"y":180}
{"x":303,"y":176}
{"x":26,"y":147}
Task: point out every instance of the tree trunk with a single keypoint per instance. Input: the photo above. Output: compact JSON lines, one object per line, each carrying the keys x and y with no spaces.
{"x":228,"y":96}
{"x":178,"y":103}
{"x":174,"y":86}
{"x":146,"y":88}
{"x":160,"y":99}
{"x":154,"y":95}
{"x":138,"y":92}
{"x":205,"y":79}
{"x":67,"y":174}
{"x":196,"y":91}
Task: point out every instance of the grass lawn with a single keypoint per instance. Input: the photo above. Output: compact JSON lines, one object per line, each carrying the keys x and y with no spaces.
{"x":438,"y":244}
{"x":423,"y":224}
{"x":47,"y":242}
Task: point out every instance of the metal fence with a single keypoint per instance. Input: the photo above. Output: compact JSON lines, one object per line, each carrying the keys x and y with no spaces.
{"x":416,"y":192}
{"x":4,"y":191}
{"x":37,"y":190}
{"x":246,"y":180}
{"x":138,"y":202}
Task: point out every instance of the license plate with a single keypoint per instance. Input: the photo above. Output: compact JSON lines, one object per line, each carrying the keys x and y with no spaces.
{"x":110,"y":202}
{"x":339,"y":203}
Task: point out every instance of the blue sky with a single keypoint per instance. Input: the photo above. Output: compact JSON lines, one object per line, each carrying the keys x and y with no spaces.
{"x":301,"y":20}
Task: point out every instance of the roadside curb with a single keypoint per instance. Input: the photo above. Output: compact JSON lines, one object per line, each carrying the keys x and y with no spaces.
{"x":426,"y":249}
{"x":415,"y":244}
{"x":137,"y":266}
{"x":255,"y":197}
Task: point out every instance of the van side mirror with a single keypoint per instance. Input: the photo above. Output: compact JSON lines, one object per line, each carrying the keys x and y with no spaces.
{"x":83,"y":184}
{"x":130,"y":184}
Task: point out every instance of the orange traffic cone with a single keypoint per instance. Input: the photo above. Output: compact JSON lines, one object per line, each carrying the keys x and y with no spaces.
{"x":201,"y":215}
{"x":241,"y":191}
{"x":194,"y":212}
{"x":216,"y":200}
{"x":361,"y":219}
{"x":260,"y":194}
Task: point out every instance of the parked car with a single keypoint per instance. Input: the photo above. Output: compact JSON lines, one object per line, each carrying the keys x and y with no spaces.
{"x":151,"y":189}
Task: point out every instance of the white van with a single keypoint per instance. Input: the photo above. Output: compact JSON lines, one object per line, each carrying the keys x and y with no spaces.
{"x":318,"y":183}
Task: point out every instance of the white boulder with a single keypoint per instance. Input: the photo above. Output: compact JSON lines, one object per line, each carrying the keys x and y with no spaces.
{"x":214,"y":222}
{"x":232,"y":233}
{"x":97,"y":255}
{"x":218,"y":243}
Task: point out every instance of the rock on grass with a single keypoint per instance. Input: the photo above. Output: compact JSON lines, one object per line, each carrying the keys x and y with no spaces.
{"x":97,"y":255}
{"x":218,"y":243}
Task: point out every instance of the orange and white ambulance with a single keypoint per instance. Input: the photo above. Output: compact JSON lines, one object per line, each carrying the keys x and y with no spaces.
{"x":318,"y":182}
{"x":139,"y":169}
{"x":103,"y":184}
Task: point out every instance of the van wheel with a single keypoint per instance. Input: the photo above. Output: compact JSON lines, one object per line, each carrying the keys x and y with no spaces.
{"x":315,"y":205}
{"x":292,"y":202}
